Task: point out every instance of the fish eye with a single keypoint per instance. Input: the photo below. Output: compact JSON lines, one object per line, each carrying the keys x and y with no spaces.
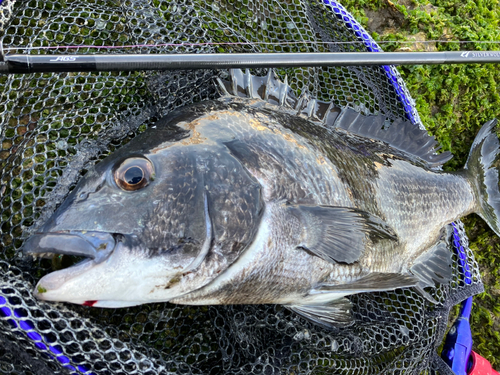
{"x":134,"y":174}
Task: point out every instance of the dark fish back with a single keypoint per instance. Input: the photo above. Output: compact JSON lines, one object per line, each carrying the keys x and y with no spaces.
{"x":401,"y":135}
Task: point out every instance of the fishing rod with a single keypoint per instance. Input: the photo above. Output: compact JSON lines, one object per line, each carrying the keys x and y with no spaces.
{"x":26,"y":63}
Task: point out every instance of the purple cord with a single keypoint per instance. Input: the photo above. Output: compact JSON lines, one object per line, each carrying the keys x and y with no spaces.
{"x":462,"y":256}
{"x":458,"y":343}
{"x":27,"y":326}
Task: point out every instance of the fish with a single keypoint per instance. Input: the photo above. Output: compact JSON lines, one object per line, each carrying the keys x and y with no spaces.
{"x":263,"y":196}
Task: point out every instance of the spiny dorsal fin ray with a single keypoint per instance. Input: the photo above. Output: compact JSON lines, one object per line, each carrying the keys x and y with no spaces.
{"x":249,"y":84}
{"x":401,"y":135}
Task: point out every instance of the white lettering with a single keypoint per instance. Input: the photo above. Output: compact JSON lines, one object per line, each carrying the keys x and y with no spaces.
{"x":486,"y":54}
{"x":64,"y":58}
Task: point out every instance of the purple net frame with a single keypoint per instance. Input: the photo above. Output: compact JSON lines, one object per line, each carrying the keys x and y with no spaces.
{"x":371,"y":46}
{"x":28,"y":328}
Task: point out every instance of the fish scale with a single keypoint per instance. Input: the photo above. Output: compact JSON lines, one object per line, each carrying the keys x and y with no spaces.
{"x":290,"y":177}
{"x":411,"y":190}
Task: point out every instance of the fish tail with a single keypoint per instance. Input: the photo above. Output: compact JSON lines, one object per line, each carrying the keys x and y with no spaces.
{"x":482,"y":168}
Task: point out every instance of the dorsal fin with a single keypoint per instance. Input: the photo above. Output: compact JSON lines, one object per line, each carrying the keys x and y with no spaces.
{"x":402,"y":135}
{"x":399,"y":134}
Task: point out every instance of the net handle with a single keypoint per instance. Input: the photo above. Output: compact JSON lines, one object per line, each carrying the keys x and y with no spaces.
{"x":17,"y":63}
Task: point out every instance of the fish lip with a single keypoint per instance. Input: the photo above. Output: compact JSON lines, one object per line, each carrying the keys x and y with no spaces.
{"x":53,"y":281}
{"x":94,"y":245}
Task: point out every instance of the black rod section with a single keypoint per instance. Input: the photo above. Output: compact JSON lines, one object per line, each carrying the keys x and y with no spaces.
{"x":130,"y":62}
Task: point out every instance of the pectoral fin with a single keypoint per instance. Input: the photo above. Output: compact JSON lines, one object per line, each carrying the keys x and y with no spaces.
{"x":339,"y":234}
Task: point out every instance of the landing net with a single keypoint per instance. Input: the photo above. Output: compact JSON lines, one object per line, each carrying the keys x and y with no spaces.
{"x":54,"y":126}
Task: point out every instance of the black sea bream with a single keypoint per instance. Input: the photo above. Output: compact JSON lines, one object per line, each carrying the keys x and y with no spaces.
{"x":262,"y":197}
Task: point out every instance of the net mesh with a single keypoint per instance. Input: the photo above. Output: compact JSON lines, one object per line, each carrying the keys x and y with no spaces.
{"x":54,"y":126}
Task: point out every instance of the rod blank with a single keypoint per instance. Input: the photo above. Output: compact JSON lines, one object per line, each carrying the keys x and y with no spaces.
{"x":130,"y":62}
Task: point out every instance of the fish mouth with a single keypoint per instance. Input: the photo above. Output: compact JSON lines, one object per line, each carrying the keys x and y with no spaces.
{"x":96,"y":246}
{"x":87,"y":248}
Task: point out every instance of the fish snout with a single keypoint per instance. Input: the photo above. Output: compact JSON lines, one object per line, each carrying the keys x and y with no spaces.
{"x":95,"y":245}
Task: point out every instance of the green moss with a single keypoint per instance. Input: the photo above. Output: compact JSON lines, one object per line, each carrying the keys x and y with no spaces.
{"x":453,"y":102}
{"x":173,"y":281}
{"x":41,"y":289}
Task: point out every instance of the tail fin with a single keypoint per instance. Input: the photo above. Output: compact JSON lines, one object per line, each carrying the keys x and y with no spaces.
{"x":482,"y":168}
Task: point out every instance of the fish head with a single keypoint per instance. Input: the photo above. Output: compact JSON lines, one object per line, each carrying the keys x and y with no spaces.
{"x":147,"y":219}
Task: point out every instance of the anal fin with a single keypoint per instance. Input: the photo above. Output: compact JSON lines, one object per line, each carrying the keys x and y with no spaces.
{"x":434,"y":266}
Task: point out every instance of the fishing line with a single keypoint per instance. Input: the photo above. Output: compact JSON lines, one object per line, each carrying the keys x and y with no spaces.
{"x":305,"y":42}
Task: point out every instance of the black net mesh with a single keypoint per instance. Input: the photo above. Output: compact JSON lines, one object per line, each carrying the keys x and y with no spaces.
{"x":55,"y":125}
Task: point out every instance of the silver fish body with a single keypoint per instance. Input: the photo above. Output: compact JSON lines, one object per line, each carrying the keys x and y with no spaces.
{"x":246,"y":200}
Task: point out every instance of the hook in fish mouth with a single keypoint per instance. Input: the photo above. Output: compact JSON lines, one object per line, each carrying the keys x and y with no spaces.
{"x":93,"y":245}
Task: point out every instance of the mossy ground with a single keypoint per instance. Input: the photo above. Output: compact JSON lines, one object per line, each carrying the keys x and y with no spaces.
{"x":453,"y":102}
